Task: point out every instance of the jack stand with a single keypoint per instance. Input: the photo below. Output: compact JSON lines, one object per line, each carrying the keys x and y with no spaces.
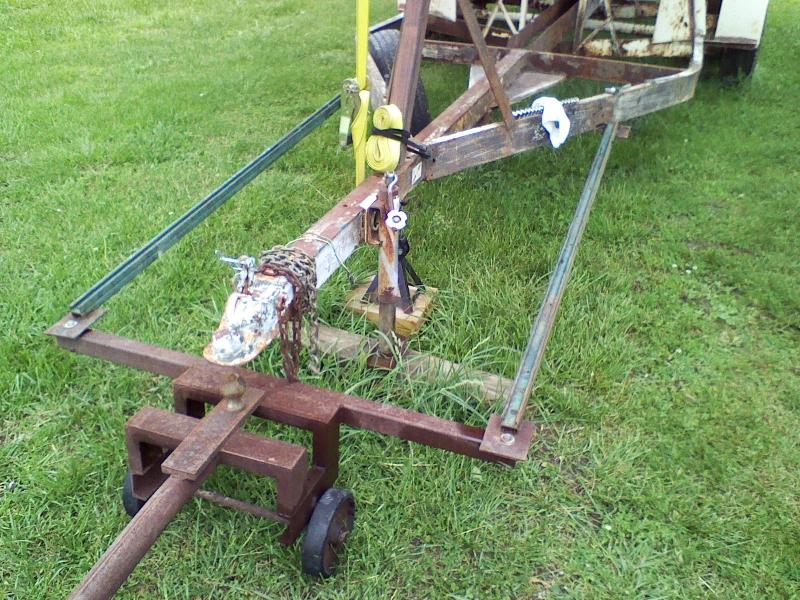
{"x":404,"y":272}
{"x":415,"y":300}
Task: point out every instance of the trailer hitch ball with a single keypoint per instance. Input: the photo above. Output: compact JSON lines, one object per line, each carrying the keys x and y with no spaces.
{"x":232,"y":390}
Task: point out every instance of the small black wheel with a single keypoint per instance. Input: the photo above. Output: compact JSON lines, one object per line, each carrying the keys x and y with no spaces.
{"x":330,"y":524}
{"x":383,"y":46}
{"x":131,"y":503}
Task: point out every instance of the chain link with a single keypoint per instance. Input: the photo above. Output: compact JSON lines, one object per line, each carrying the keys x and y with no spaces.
{"x":300,"y":269}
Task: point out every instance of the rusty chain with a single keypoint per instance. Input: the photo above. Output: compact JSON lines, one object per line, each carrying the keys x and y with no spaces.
{"x":300,"y":270}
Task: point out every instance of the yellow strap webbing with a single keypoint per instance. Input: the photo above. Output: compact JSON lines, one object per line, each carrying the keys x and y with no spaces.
{"x":383,"y":154}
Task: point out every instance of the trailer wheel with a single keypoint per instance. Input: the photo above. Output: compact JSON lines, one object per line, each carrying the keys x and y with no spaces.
{"x":131,"y":503}
{"x":383,"y":48}
{"x":330,"y":524}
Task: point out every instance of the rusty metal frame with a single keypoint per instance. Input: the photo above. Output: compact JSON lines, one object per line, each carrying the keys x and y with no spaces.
{"x":171,"y":454}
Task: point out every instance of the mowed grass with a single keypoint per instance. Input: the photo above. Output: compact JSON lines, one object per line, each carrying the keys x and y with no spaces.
{"x":668,"y":464}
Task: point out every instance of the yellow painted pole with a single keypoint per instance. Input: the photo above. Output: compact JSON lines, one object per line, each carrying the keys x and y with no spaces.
{"x":362,"y":41}
{"x":359,"y":130}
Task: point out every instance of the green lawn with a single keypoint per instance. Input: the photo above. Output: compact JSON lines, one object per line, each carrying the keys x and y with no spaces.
{"x":670,"y":399}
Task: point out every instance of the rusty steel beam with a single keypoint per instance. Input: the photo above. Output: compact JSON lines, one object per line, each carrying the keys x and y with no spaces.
{"x":157,"y":428}
{"x":456,"y":152}
{"x":542,"y":21}
{"x":571,"y":65}
{"x":598,"y":69}
{"x":388,"y":292}
{"x":487,"y":62}
{"x":118,"y":562}
{"x":402,"y":93}
{"x":295,"y":404}
{"x":206,"y":439}
{"x":405,"y":71}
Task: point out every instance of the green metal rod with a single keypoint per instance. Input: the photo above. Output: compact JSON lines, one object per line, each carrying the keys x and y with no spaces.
{"x":540,"y":332}
{"x":137,"y":262}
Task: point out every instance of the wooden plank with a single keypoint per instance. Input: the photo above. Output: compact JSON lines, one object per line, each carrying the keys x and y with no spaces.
{"x":406,"y":324}
{"x":350,"y":346}
{"x":245,"y":450}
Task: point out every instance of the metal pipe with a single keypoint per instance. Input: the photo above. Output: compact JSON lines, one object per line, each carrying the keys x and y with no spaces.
{"x":622,"y":26}
{"x":514,"y":410}
{"x":388,"y":292}
{"x":241,"y":505}
{"x":113,"y":568}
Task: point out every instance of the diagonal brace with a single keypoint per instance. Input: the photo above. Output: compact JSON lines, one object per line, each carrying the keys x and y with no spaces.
{"x":540,"y":333}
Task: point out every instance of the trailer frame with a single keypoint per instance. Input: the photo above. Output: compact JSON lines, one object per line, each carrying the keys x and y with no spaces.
{"x":171,"y":454}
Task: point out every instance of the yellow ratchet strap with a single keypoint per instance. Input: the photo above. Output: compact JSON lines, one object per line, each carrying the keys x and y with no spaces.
{"x":383,"y":154}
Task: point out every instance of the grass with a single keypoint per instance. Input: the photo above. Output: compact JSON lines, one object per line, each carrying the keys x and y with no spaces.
{"x":668,"y":464}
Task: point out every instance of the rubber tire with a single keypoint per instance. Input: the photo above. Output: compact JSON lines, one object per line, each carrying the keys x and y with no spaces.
{"x":335,"y":509}
{"x":131,"y":503}
{"x":383,"y":48}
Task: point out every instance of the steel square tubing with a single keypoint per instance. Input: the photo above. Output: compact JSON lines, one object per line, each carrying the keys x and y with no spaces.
{"x":295,"y":404}
{"x":284,"y":462}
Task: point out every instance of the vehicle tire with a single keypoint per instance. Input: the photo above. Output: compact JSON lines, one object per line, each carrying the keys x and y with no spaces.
{"x":383,"y":48}
{"x":327,"y":530}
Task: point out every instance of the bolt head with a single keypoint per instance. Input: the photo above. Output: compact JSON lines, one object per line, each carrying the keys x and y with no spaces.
{"x":507,"y":438}
{"x":70,"y":324}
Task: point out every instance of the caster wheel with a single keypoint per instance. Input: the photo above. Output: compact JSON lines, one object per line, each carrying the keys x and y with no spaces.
{"x":131,"y":503}
{"x":330,"y":524}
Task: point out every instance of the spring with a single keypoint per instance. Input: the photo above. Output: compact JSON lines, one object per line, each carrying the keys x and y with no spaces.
{"x":529,"y":112}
